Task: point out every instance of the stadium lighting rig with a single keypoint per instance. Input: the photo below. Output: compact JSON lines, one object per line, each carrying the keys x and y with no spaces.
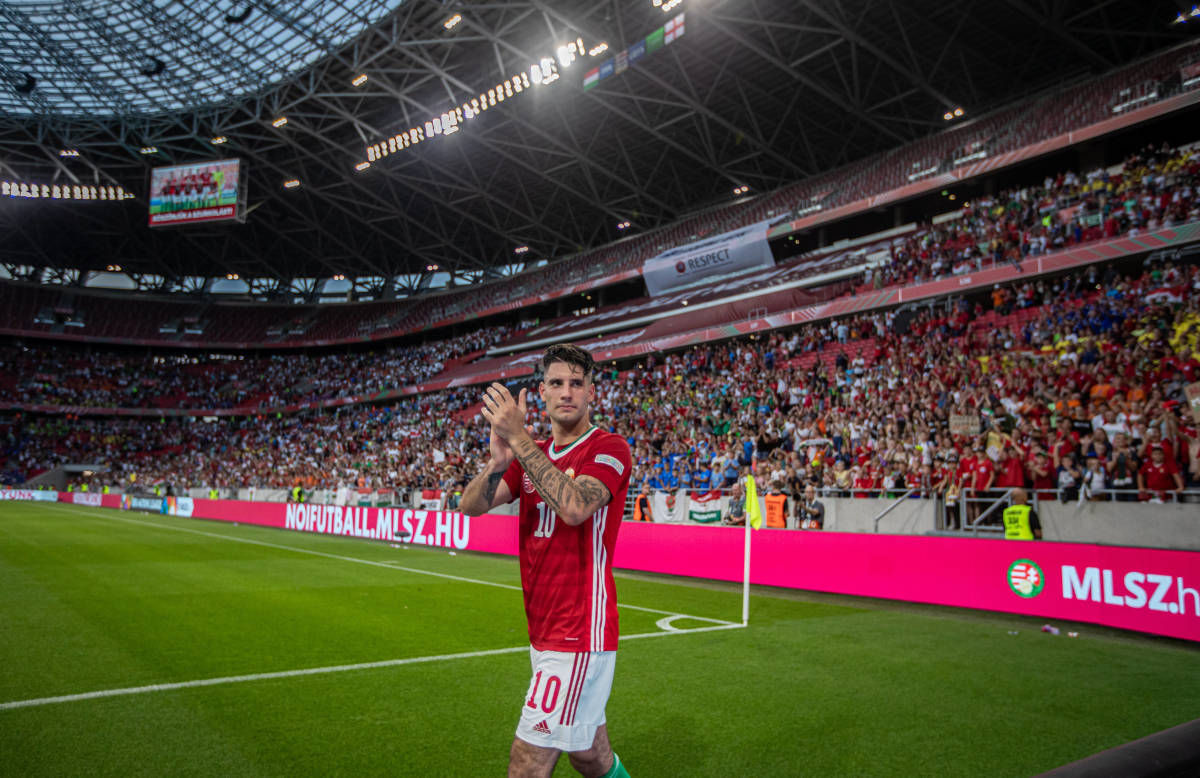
{"x":623,"y":225}
{"x":34,"y":191}
{"x":741,"y":190}
{"x":361,"y":166}
{"x":338,"y":277}
{"x":360,"y":79}
{"x":218,"y":140}
{"x":452,"y":22}
{"x":957,"y":113}
{"x":521,"y":250}
{"x":148,"y":150}
{"x":291,"y":183}
{"x":544,"y":72}
{"x":431,"y":268}
{"x":68,"y":152}
{"x":1183,"y":18}
{"x":232,"y":276}
{"x":282,"y":120}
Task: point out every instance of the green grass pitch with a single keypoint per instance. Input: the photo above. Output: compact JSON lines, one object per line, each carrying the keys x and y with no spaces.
{"x":93,"y":600}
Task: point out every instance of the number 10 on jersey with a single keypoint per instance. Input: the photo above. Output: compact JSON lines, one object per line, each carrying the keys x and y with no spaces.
{"x":546,"y":518}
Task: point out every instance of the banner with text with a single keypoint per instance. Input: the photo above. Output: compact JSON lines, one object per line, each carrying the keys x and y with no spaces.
{"x":28,"y":494}
{"x":1143,"y":589}
{"x":742,"y":249}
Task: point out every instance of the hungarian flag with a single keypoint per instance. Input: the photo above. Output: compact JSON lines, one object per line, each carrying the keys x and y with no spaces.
{"x":673,"y":29}
{"x":705,"y":507}
{"x":591,"y":78}
{"x":1166,"y":294}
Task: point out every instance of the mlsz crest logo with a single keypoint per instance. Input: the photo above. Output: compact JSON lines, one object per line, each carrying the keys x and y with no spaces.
{"x":1025,"y":578}
{"x":526,"y":484}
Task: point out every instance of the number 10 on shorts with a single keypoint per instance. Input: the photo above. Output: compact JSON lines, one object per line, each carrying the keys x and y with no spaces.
{"x":546,"y":518}
{"x":549,"y":692}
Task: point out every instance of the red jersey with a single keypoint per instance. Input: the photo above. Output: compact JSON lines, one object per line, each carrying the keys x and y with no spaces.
{"x":1159,"y":478}
{"x":982,"y":473}
{"x":566,"y":572}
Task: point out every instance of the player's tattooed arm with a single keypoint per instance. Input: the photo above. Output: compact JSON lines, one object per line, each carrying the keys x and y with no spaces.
{"x":486,"y":491}
{"x":574,"y":500}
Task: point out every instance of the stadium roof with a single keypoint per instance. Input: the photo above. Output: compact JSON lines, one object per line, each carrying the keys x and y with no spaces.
{"x":756,"y":92}
{"x":98,"y":57}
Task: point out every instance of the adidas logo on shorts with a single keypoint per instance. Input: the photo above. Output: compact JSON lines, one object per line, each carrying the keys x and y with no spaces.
{"x":541,"y":728}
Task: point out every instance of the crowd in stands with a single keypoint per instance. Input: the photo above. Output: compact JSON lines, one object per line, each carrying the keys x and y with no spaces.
{"x":43,"y":374}
{"x":1072,"y":388}
{"x":1157,"y":187}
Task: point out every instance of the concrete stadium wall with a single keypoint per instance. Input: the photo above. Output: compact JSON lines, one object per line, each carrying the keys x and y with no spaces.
{"x":1171,"y":525}
{"x":911,"y":517}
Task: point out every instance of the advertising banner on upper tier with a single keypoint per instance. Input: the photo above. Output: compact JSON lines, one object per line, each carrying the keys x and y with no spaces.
{"x":719,"y":255}
{"x":28,"y":494}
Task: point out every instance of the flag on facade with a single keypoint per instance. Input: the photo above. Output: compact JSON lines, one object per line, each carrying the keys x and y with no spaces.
{"x":673,"y":30}
{"x":591,"y":78}
{"x":654,"y":41}
{"x":621,"y":61}
{"x":637,"y":51}
{"x":606,"y":69}
{"x":753,"y":512}
{"x":705,"y":507}
{"x":1166,"y":294}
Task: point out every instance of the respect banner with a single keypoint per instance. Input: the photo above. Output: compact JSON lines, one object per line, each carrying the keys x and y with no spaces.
{"x":742,"y":249}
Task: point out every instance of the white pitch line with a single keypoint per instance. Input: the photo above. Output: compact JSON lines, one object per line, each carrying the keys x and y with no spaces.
{"x":374,"y":563}
{"x":231,"y":679}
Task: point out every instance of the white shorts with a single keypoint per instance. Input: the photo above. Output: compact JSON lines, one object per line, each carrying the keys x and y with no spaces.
{"x":566,"y":699}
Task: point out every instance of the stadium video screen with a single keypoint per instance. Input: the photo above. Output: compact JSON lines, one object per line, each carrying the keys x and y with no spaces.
{"x":197,"y":192}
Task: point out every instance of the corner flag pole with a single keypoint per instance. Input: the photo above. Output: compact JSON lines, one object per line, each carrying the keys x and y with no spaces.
{"x":746,"y":578}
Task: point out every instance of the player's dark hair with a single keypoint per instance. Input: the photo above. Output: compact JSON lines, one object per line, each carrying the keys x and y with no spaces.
{"x":571,"y":354}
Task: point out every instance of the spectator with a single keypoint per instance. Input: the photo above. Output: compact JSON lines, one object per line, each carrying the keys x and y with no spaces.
{"x":1158,"y":476}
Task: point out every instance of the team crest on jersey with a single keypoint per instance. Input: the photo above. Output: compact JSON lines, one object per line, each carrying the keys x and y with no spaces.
{"x":570,"y":471}
{"x":526,"y":484}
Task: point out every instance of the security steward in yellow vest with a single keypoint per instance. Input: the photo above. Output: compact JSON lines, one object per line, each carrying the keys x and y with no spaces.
{"x":1020,"y":520}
